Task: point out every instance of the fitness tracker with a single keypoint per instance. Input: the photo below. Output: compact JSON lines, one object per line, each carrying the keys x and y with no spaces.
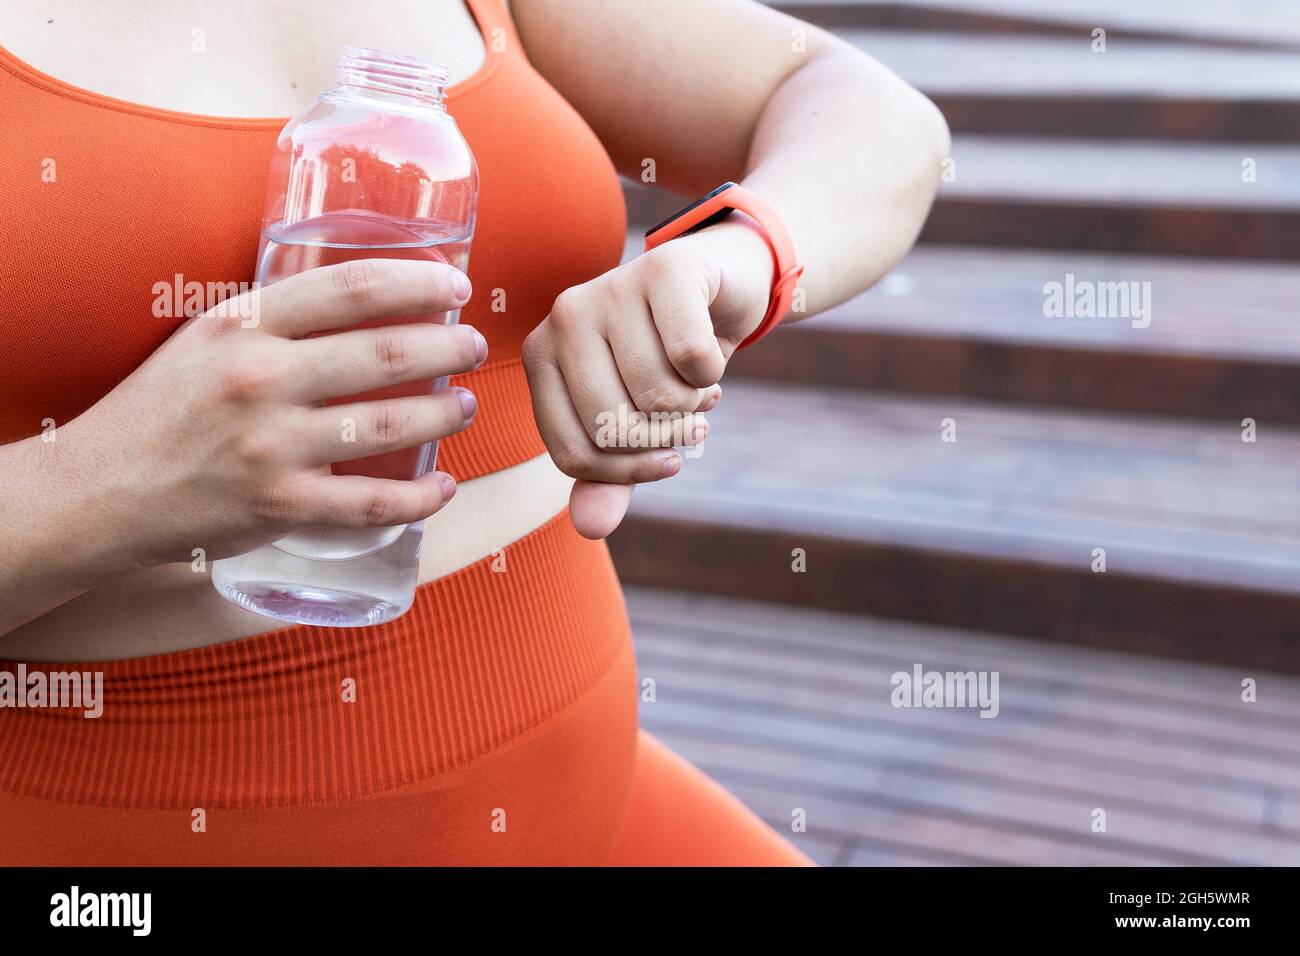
{"x":715,"y":207}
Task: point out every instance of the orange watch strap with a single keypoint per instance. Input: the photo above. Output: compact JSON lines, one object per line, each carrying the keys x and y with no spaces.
{"x":730,"y":196}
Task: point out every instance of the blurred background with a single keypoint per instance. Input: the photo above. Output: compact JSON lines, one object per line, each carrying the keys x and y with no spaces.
{"x":1103,"y":507}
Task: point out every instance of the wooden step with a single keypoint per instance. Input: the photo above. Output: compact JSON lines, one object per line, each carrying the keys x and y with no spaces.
{"x":991,"y":83}
{"x":1161,"y":198}
{"x":1184,"y":199}
{"x":995,"y":531}
{"x":1266,"y":24}
{"x":791,"y":708}
{"x":1258,"y":744}
{"x":1219,"y":340}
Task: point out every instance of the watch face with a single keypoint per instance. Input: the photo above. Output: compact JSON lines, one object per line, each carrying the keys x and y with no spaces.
{"x":718,"y":216}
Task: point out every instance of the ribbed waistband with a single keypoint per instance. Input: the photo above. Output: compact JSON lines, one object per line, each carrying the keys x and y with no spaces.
{"x":504,"y":432}
{"x":309,"y":714}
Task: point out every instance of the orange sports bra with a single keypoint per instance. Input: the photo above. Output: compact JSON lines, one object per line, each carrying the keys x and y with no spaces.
{"x":102,"y":199}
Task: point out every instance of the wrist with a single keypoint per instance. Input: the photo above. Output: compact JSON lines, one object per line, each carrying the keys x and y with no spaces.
{"x":734,"y":203}
{"x":49,"y":554}
{"x":82,"y":524}
{"x":746,"y":271}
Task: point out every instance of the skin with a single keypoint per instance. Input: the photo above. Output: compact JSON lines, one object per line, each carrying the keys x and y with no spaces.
{"x":102,"y":522}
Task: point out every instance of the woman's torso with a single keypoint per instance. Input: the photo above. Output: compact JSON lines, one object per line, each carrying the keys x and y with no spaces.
{"x":140,"y":195}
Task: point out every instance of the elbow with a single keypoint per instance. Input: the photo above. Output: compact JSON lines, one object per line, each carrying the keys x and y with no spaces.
{"x":923,"y":154}
{"x":903,"y":126}
{"x":915,"y":149}
{"x":929,"y":141}
{"x":938,"y":138}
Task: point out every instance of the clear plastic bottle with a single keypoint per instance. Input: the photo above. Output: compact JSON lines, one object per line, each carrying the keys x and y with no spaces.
{"x":374,"y":168}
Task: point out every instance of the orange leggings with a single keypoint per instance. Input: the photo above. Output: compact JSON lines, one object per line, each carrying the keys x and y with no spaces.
{"x":680,"y":817}
{"x":496,"y":723}
{"x":677,"y":817}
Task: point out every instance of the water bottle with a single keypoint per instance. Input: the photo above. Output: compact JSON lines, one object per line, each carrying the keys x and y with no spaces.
{"x":374,"y":168}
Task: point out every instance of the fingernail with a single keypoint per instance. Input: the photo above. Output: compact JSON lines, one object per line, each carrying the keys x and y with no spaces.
{"x":448,"y":484}
{"x":699,"y":432}
{"x":468,"y":403}
{"x":480,"y":344}
{"x":460,"y":285}
{"x":711,"y":401}
{"x":672,"y":465}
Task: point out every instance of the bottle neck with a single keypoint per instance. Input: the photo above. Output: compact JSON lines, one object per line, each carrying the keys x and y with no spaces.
{"x":391,"y":77}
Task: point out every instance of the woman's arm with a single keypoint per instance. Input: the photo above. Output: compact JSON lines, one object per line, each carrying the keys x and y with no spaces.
{"x":57,"y":542}
{"x":713,"y":90}
{"x":709,"y":91}
{"x":218,"y":441}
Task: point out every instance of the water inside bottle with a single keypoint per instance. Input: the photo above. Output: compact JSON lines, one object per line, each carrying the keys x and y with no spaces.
{"x":360,"y":564}
{"x":340,"y":237}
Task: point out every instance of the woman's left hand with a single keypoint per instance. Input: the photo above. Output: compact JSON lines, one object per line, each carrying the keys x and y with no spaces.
{"x":625,"y":365}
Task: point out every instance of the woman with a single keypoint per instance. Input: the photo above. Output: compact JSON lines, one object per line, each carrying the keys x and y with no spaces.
{"x":495,"y":722}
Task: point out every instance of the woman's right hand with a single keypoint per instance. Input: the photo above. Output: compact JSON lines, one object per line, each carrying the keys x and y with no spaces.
{"x":220,"y":441}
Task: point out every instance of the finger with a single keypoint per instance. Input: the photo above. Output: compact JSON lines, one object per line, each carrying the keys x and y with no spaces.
{"x":647,"y":374}
{"x":711,"y":398}
{"x":351,"y":363}
{"x":337,"y":296}
{"x":595,"y":387}
{"x":680,"y":308}
{"x":361,"y":429}
{"x":570,"y":447}
{"x":596,"y":508}
{"x":611,"y":419}
{"x":354,"y":501}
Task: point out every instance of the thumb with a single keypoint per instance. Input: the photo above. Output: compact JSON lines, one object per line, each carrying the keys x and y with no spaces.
{"x":596,"y":508}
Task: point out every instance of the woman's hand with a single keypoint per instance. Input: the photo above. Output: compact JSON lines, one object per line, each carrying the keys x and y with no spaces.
{"x":624,"y":366}
{"x":220,"y":441}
